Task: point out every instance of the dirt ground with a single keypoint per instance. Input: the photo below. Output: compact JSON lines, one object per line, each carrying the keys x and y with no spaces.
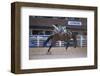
{"x":57,"y":52}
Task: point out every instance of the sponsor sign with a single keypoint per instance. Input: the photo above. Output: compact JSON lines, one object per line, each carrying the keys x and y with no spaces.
{"x":79,"y":23}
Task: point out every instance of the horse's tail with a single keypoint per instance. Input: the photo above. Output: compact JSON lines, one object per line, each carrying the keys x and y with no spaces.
{"x":45,"y":43}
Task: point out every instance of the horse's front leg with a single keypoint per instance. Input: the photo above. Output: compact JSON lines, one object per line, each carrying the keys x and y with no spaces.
{"x":45,"y":43}
{"x":52,"y":44}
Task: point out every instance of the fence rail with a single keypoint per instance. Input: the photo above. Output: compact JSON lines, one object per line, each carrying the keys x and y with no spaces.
{"x":38,"y":40}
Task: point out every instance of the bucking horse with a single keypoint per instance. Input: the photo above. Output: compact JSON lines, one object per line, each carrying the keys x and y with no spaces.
{"x":61,"y":33}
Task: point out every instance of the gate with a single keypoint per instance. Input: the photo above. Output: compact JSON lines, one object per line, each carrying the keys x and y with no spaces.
{"x":82,"y":41}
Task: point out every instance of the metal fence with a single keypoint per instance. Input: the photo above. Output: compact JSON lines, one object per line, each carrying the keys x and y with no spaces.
{"x":38,"y":40}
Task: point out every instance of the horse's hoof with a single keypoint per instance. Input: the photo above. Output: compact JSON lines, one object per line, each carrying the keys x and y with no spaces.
{"x":48,"y":53}
{"x":66,"y":48}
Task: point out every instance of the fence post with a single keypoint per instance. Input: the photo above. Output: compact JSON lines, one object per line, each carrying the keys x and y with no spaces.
{"x":81,"y":40}
{"x":38,"y":41}
{"x":60,"y":43}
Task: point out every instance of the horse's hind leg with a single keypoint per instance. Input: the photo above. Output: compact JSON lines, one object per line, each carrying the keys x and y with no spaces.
{"x":67,"y":44}
{"x":75,"y":42}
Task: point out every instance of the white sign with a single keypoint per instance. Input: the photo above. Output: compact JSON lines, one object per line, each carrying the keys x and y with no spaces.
{"x":74,"y":23}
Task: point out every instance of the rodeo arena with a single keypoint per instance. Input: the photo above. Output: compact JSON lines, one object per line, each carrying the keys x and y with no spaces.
{"x":44,"y":42}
